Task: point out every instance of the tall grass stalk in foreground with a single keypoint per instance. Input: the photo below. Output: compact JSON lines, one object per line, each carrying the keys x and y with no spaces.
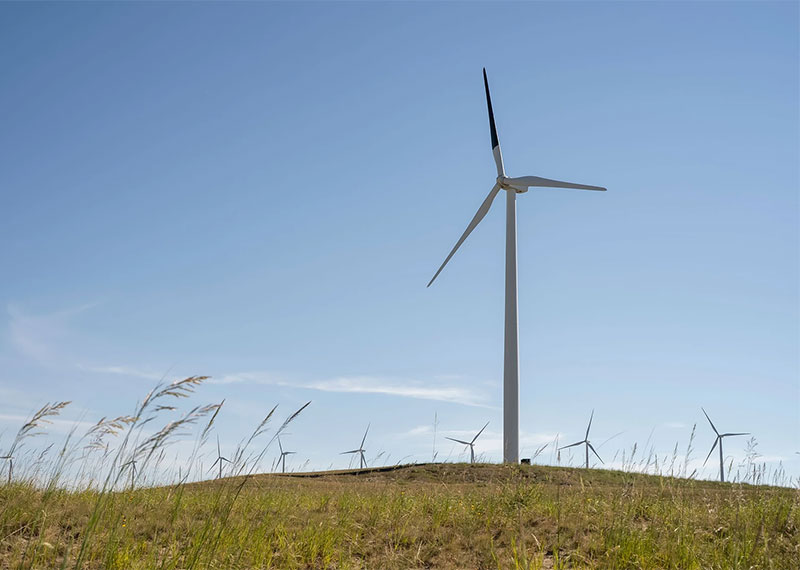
{"x":108,"y":474}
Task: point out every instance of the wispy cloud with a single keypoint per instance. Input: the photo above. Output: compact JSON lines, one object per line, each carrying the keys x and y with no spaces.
{"x":436,"y":389}
{"x":417,"y":431}
{"x":251,"y":378}
{"x":47,"y":339}
{"x":396,"y":387}
{"x":124,"y":371}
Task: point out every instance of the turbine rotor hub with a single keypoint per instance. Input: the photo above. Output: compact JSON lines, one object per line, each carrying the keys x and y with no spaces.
{"x":503,"y":182}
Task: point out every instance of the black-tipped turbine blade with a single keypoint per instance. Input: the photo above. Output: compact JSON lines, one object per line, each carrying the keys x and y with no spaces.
{"x":709,"y":421}
{"x":480,"y":432}
{"x":495,"y":143}
{"x":346,"y":452}
{"x":730,"y":434}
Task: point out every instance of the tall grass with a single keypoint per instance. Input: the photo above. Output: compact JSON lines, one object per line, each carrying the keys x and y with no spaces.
{"x":110,"y":498}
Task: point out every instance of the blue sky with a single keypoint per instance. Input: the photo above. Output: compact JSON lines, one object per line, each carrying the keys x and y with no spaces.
{"x":260,"y":192}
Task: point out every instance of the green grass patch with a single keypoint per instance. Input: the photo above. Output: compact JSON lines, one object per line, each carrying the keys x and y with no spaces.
{"x":441,"y":516}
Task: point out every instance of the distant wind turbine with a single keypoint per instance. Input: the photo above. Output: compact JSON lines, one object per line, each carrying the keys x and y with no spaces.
{"x":512,"y":186}
{"x":283,"y":456}
{"x":360,"y":450}
{"x":470,"y":444}
{"x":585,"y":441}
{"x":132,"y":464}
{"x":718,"y":441}
{"x":10,"y":460}
{"x":219,"y":460}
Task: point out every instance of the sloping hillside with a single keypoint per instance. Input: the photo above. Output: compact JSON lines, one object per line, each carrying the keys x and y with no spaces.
{"x":426,"y":516}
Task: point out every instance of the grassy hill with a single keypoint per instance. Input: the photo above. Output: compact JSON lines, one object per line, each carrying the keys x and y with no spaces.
{"x":419,"y":516}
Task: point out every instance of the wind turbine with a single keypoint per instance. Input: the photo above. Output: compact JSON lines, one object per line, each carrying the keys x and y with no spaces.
{"x":360,"y":450}
{"x":10,"y":460}
{"x":716,"y":441}
{"x":283,"y":456}
{"x":132,"y":464}
{"x":585,"y":440}
{"x":219,"y":460}
{"x":512,"y":186}
{"x":471,"y":444}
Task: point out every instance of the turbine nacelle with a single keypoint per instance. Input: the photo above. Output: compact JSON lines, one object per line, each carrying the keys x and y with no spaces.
{"x":505,"y":183}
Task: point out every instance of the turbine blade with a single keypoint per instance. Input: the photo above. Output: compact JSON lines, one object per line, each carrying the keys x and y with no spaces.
{"x":346,"y":452}
{"x":280,"y":446}
{"x":728,"y":434}
{"x":480,"y":432}
{"x":479,"y":215}
{"x":589,"y":426}
{"x":498,"y":156}
{"x":492,"y":127}
{"x":218,"y":451}
{"x":709,"y":421}
{"x":528,"y":181}
{"x":365,"y":437}
{"x":712,"y":451}
{"x":458,"y":440}
{"x":572,"y":445}
{"x":593,"y":451}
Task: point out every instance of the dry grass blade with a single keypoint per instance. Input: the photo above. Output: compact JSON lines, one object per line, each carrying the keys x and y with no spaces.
{"x":293,"y":416}
{"x":106,"y":427}
{"x":181,"y":388}
{"x":282,"y":427}
{"x":211,"y":421}
{"x":37,"y":420}
{"x":165,"y":434}
{"x":262,"y":427}
{"x":177,"y":389}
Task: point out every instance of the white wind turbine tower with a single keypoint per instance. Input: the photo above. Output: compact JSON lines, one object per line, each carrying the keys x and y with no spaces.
{"x":360,"y":450}
{"x":585,"y":441}
{"x":512,"y":186}
{"x":283,"y":456}
{"x":716,"y":441}
{"x":471,"y":444}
